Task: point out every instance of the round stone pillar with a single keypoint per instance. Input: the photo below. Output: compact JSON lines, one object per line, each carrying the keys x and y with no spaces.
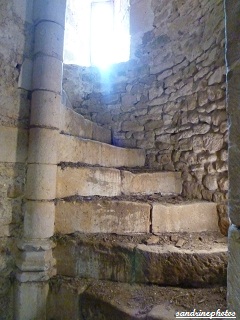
{"x":36,"y":264}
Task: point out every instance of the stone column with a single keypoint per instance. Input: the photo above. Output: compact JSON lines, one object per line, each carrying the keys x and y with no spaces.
{"x":36,"y":264}
{"x":232,"y":12}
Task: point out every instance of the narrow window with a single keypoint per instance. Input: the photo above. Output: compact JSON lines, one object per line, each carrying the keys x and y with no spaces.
{"x":97,"y":32}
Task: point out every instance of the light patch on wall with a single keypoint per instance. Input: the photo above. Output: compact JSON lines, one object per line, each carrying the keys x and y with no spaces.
{"x":97,"y":32}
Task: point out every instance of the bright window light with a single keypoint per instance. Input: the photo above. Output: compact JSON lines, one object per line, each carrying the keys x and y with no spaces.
{"x":97,"y":32}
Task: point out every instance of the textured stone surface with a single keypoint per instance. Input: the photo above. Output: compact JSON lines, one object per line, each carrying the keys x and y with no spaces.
{"x":73,"y":149}
{"x":234,"y":269}
{"x":171,"y":98}
{"x":184,"y":217}
{"x":89,"y":181}
{"x":102,"y":216}
{"x":111,"y":300}
{"x":129,"y":262}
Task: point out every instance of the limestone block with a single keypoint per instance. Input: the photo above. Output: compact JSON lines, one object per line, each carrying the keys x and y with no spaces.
{"x":172,"y":266}
{"x":49,"y":38}
{"x":46,"y":109}
{"x":75,"y":124}
{"x":41,"y":182}
{"x":47,"y":74}
{"x":43,"y":145}
{"x":97,"y":260}
{"x":88,"y":181}
{"x":30,"y":300}
{"x":72,"y":149}
{"x":153,"y":182}
{"x":192,"y":216}
{"x":53,"y":10}
{"x":39,"y":219}
{"x":13,"y":144}
{"x":102,"y":217}
{"x":101,"y":134}
{"x":234,"y":270}
{"x":34,"y":261}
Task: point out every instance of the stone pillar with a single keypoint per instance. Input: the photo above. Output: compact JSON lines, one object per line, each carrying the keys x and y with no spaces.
{"x":232,"y":14}
{"x":36,"y":264}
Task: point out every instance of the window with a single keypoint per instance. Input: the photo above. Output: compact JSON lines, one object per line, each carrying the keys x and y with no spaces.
{"x":97,"y":32}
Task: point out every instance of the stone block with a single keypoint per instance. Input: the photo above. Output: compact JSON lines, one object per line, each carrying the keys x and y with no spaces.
{"x":169,"y":265}
{"x":35,"y":261}
{"x":193,"y":216}
{"x":49,"y":39}
{"x":153,"y":182}
{"x":53,"y":10}
{"x":73,"y":149}
{"x":102,"y":216}
{"x":46,"y":109}
{"x":101,"y":134}
{"x":39,"y":219}
{"x":96,"y":260}
{"x":75,"y":124}
{"x":25,"y":77}
{"x":234,"y":270}
{"x":30,"y":300}
{"x":43,"y":145}
{"x":41,"y":182}
{"x":88,"y":181}
{"x":13,"y":144}
{"x":47,"y":74}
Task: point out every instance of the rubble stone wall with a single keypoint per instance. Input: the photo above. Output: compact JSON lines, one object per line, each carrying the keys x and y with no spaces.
{"x":15,"y":50}
{"x":169,"y":99}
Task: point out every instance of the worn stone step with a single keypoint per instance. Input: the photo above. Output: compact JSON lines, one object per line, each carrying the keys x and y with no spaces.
{"x":90,"y":181}
{"x":73,"y":123}
{"x":130,"y":214}
{"x":102,"y":216}
{"x":80,"y":299}
{"x":196,"y":263}
{"x":77,"y":150}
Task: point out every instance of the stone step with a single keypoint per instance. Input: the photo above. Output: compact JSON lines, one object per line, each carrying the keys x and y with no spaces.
{"x":199,"y":261}
{"x":73,"y":123}
{"x":90,"y":181}
{"x":79,"y":299}
{"x":78,"y":150}
{"x":143,"y":214}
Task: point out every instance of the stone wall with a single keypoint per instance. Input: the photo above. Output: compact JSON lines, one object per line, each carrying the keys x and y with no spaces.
{"x":169,"y":99}
{"x":233,"y":103}
{"x":15,"y":51}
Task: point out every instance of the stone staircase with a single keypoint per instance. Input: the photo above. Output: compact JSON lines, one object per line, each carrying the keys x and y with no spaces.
{"x":122,"y":228}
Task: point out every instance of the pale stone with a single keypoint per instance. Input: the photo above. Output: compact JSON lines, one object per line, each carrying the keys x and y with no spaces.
{"x":49,"y":38}
{"x":39,"y":219}
{"x":34,"y":261}
{"x":30,"y":300}
{"x":184,"y":217}
{"x":41,"y":182}
{"x":46,"y":109}
{"x":87,"y":181}
{"x":234,"y":269}
{"x":72,"y":149}
{"x":43,"y":145}
{"x":217,"y":76}
{"x":210,"y":182}
{"x":155,"y":182}
{"x":25,"y":77}
{"x":47,"y":74}
{"x":101,"y":134}
{"x":13,"y":144}
{"x":53,"y":10}
{"x":102,"y":217}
